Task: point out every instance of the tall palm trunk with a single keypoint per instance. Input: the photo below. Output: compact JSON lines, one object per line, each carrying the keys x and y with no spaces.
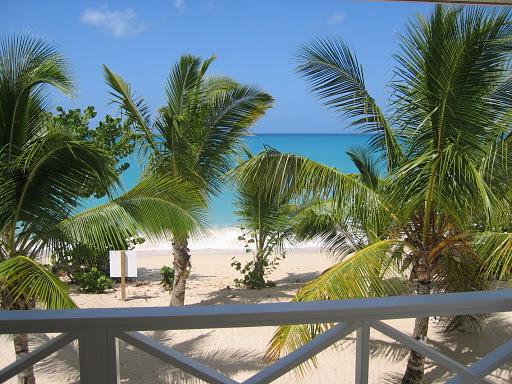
{"x":21,"y":347}
{"x":416,"y":362}
{"x":182,"y":270}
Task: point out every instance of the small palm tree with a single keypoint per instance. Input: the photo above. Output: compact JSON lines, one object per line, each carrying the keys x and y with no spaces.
{"x":443,"y":203}
{"x":44,"y":168}
{"x":195,"y":135}
{"x":268,"y":225}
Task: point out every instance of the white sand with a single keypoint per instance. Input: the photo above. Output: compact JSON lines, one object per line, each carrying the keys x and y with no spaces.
{"x":238,"y":352}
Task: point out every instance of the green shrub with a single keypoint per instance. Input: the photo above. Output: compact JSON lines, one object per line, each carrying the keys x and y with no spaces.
{"x":167,"y":277}
{"x":73,"y":261}
{"x":264,"y":261}
{"x":93,"y":281}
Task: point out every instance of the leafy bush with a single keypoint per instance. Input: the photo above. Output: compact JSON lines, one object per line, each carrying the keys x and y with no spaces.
{"x":93,"y":281}
{"x":264,"y":261}
{"x":167,"y":277}
{"x":267,"y":226}
{"x":72,"y":261}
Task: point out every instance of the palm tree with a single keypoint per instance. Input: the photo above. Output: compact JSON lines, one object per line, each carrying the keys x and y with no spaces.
{"x":44,"y":168}
{"x":195,"y":135}
{"x":443,"y":199}
{"x":268,"y":222}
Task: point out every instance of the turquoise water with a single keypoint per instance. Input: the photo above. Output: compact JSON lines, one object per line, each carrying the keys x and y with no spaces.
{"x":328,"y":149}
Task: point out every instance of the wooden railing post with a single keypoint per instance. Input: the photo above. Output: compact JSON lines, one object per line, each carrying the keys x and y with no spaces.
{"x":362,"y":353}
{"x":99,"y":356}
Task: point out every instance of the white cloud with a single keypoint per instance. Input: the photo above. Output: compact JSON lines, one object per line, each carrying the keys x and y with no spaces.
{"x":337,"y":18}
{"x":120,"y":23}
{"x":179,"y":4}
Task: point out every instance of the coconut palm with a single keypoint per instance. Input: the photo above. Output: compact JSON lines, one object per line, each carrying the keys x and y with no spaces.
{"x":267,"y":223}
{"x":443,"y":149}
{"x":43,"y":170}
{"x":195,"y":135}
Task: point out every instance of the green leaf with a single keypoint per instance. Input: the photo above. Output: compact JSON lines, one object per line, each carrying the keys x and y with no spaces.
{"x":24,"y":279}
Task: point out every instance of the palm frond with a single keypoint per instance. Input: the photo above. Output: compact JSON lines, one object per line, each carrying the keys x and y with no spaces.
{"x":495,"y":251}
{"x":183,"y":88}
{"x":28,"y":66}
{"x":335,"y":76}
{"x":366,"y":165}
{"x":134,"y":107}
{"x":281,"y":173}
{"x":24,"y":279}
{"x":451,"y":69}
{"x":369,"y":272}
{"x":158,"y":208}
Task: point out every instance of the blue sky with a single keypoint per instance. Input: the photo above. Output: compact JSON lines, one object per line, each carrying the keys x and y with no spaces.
{"x":254,"y":42}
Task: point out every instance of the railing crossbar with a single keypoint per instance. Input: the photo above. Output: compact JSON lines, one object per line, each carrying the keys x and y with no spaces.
{"x":300,"y":355}
{"x":175,"y":358}
{"x":36,"y":355}
{"x":489,"y":363}
{"x":97,"y":330}
{"x":254,"y":315}
{"x":429,"y":352}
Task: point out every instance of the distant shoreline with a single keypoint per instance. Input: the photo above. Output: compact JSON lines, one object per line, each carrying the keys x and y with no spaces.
{"x":310,"y":134}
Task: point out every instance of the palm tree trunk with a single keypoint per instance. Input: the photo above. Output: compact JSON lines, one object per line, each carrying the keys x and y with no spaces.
{"x":182,"y":269}
{"x":416,"y":363}
{"x":21,"y":347}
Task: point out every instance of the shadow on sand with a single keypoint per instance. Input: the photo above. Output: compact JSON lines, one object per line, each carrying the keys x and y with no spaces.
{"x":283,"y":291}
{"x":139,"y":367}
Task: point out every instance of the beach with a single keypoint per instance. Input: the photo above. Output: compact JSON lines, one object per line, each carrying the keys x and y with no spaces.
{"x":238,"y":352}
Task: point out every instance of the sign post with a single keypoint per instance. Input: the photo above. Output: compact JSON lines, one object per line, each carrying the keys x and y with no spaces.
{"x":123,"y":264}
{"x":123,"y":275}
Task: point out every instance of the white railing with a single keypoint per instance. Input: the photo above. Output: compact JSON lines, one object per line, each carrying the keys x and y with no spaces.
{"x":97,"y":331}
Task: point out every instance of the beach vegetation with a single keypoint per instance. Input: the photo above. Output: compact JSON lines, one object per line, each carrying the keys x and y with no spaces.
{"x":267,"y":224}
{"x":429,"y":209}
{"x":93,"y":281}
{"x":167,"y":277}
{"x":45,"y":167}
{"x":112,"y":134}
{"x":195,"y":136}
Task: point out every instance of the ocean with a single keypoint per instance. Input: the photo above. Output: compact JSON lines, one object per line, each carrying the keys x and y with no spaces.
{"x":328,"y":149}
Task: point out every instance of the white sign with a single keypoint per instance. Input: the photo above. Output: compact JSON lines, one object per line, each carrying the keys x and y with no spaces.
{"x":130,"y":262}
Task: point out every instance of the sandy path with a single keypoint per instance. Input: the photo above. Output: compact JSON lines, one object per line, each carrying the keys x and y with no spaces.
{"x":238,"y":352}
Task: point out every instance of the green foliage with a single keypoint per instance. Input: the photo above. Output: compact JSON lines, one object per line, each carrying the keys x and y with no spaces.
{"x":167,"y":277}
{"x":45,"y":170}
{"x":267,"y":225}
{"x":112,"y":135}
{"x":438,"y":216}
{"x":196,"y":134}
{"x":262,"y":264}
{"x":23,"y":279}
{"x":74,"y":260}
{"x":93,"y":281}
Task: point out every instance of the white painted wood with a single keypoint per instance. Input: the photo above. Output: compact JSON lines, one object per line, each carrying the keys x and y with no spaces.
{"x":438,"y":357}
{"x":37,"y":355}
{"x":300,"y":355}
{"x":250,"y":315}
{"x":99,"y":362}
{"x":115,"y":263}
{"x":362,"y":353}
{"x":489,"y":363}
{"x":175,"y":358}
{"x":97,"y":330}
